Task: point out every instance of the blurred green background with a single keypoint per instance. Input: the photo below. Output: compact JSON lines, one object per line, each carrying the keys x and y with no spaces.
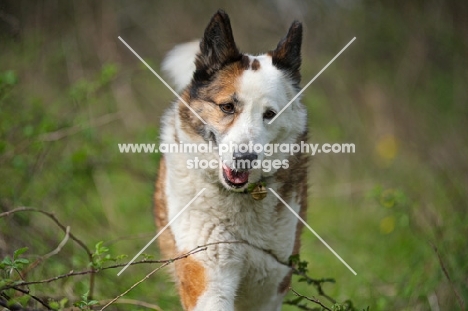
{"x":70,"y":91}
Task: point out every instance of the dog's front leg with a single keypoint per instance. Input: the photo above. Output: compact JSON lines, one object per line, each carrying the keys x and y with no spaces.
{"x":207,"y":283}
{"x":221,"y":290}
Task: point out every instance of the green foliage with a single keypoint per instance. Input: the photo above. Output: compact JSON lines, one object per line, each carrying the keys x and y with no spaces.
{"x":7,"y":79}
{"x":15,"y":264}
{"x":85,"y":303}
{"x":57,"y":154}
{"x":302,"y":302}
{"x":58,"y":305}
{"x":147,"y":256}
{"x":102,"y":256}
{"x":10,"y":275}
{"x":84,"y":90}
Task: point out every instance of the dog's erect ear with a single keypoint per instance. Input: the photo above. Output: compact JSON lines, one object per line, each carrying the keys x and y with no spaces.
{"x":217,"y":47}
{"x":287,"y":55}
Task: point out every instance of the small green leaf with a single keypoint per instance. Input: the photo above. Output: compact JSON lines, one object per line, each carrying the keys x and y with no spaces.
{"x":92,"y":302}
{"x":22,"y":261}
{"x":19,"y":252}
{"x":63,"y":302}
{"x":54,"y":305}
{"x":120,"y":257}
{"x":7,"y":261}
{"x":107,"y":73}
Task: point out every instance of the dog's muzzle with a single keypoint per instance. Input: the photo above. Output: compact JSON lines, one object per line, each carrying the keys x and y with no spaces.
{"x":237,"y":176}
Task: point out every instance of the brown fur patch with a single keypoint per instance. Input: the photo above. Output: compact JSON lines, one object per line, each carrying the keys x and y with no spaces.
{"x":166,"y":239}
{"x":294,"y":178}
{"x":192,"y":281}
{"x":285,"y":283}
{"x":255,"y":65}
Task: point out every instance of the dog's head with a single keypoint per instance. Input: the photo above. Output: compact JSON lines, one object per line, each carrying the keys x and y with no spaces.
{"x":238,"y":95}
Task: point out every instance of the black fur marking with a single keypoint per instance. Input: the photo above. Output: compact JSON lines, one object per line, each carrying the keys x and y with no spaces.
{"x":213,"y":138}
{"x":217,"y":47}
{"x":245,"y":62}
{"x":287,"y":55}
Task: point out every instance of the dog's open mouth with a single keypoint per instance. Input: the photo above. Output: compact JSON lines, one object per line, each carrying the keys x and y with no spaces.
{"x":235,"y":178}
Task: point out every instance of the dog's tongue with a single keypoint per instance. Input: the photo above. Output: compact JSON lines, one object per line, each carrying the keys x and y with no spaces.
{"x":236,"y":177}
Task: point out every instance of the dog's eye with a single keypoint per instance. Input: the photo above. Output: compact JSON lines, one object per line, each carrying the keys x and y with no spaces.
{"x":269,"y":114}
{"x":227,"y":108}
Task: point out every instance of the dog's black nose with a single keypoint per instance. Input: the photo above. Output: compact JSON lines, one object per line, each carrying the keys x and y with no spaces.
{"x":243,"y":160}
{"x":245,"y":156}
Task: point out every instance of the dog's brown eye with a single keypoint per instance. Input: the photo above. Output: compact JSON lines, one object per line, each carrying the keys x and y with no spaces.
{"x":227,"y":108}
{"x":269,"y":114}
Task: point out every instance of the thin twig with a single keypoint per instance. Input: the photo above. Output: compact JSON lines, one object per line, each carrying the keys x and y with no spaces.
{"x":314,"y":300}
{"x":89,"y":271}
{"x":26,"y":292}
{"x":100,"y":121}
{"x":444,"y":269}
{"x":134,"y":302}
{"x":84,"y":272}
{"x":317,"y":284}
{"x":61,"y":226}
{"x":51,"y":216}
{"x":60,"y":246}
{"x":50,"y":254}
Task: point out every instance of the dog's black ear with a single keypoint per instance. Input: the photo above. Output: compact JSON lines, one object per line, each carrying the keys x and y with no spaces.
{"x":217,"y":47}
{"x":287,"y":55}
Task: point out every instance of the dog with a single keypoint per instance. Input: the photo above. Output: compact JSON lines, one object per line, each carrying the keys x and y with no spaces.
{"x":228,"y":97}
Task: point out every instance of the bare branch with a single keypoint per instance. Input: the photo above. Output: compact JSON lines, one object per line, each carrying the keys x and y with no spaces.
{"x":314,"y":300}
{"x":316,"y":283}
{"x":94,"y":271}
{"x":51,"y":216}
{"x":72,"y":236}
{"x":60,"y":246}
{"x":50,"y":254}
{"x":33,"y":297}
{"x":135,"y":302}
{"x":100,"y":121}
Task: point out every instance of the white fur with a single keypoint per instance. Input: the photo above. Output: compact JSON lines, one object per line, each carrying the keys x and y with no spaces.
{"x":179,"y":64}
{"x":242,"y":277}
